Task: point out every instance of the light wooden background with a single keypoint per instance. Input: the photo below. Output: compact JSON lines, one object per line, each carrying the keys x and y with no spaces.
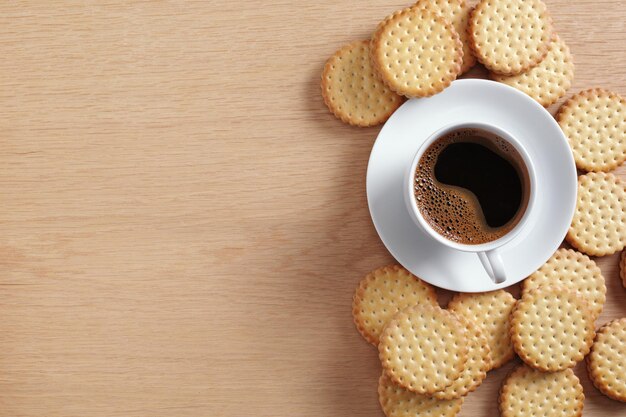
{"x":183,"y":222}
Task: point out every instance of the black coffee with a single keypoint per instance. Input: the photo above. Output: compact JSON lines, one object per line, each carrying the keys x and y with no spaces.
{"x":471,"y":186}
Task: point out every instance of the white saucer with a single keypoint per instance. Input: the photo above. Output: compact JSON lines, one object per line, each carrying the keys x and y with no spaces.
{"x":482,"y":101}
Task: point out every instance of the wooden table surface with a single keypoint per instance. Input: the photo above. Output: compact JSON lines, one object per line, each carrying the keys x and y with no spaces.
{"x":183,"y":222}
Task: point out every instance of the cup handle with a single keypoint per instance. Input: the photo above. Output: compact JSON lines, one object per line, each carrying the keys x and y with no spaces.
{"x":492,"y":262}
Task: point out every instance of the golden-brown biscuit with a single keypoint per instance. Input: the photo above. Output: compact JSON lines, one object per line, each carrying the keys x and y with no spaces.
{"x":416,"y":52}
{"x":477,"y":365}
{"x":594,"y":122}
{"x":607,"y":361}
{"x":528,"y":392}
{"x":510,"y":36}
{"x":423,"y":348}
{"x":575,"y":271}
{"x":490,"y":310}
{"x":552,"y":328}
{"x":400,"y":402}
{"x":353,"y":91}
{"x":382,"y":293}
{"x":599,"y":224}
{"x":456,"y":12}
{"x":549,"y":80}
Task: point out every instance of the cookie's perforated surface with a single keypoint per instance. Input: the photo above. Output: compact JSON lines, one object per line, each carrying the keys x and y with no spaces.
{"x":594,"y":122}
{"x":607,"y":361}
{"x":416,"y":52}
{"x":510,"y":36}
{"x":399,"y":402}
{"x":552,"y":328}
{"x":456,"y":12}
{"x":599,"y":224}
{"x":574,"y":270}
{"x":490,"y":310}
{"x":531,"y":393}
{"x":353,"y":91}
{"x":477,"y":365}
{"x":382,"y":293}
{"x":423,"y":348}
{"x":549,"y":80}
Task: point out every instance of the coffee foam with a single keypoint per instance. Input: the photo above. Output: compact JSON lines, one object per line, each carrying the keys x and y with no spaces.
{"x":455,"y":212}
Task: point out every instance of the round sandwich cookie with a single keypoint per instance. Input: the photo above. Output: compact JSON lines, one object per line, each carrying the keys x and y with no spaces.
{"x":353,"y":91}
{"x":575,"y":271}
{"x":549,"y":80}
{"x":456,"y":12}
{"x":490,"y":311}
{"x":552,"y":328}
{"x":384,"y":292}
{"x":416,"y":52}
{"x":607,"y":361}
{"x":400,"y":402}
{"x":599,"y":224}
{"x":477,"y":365}
{"x":424,"y":348}
{"x":528,"y":392}
{"x":594,"y":122}
{"x":510,"y":36}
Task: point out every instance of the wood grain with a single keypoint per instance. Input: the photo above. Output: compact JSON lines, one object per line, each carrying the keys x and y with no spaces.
{"x":183,"y":221}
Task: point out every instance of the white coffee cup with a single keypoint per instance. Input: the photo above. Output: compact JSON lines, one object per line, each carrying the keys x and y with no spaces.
{"x":488,"y":253}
